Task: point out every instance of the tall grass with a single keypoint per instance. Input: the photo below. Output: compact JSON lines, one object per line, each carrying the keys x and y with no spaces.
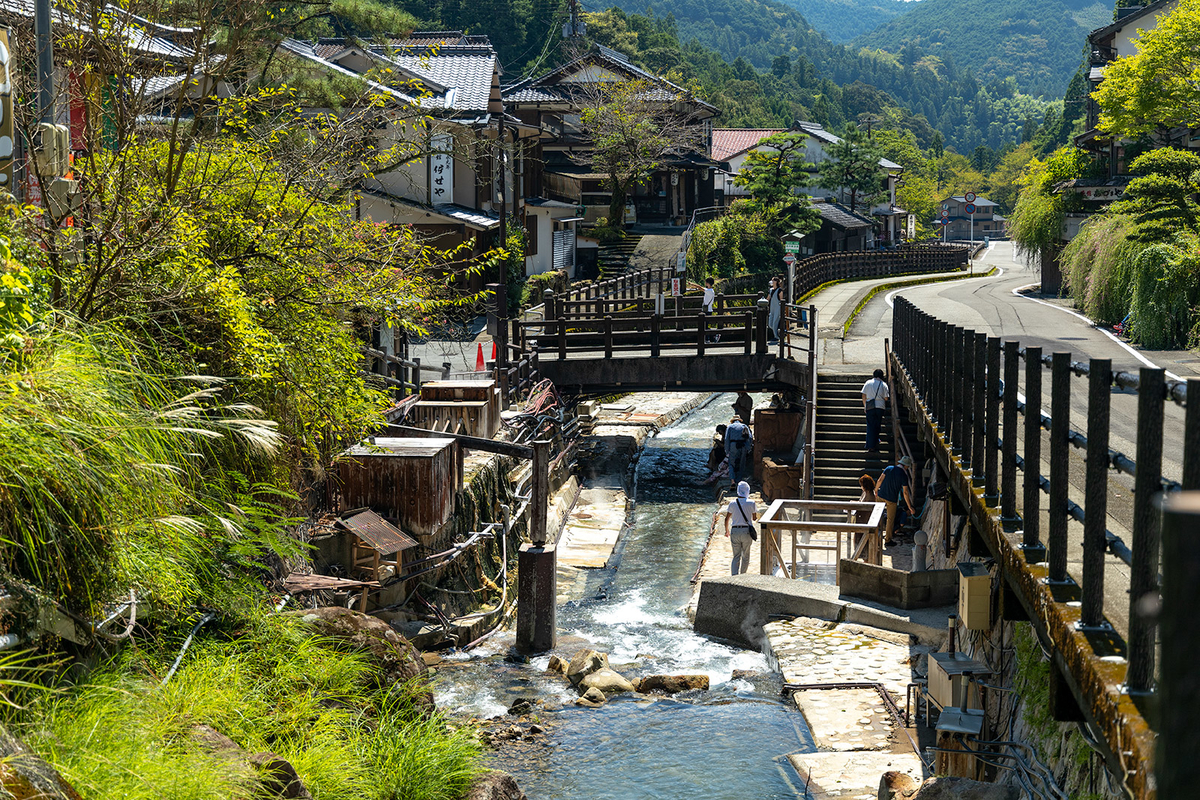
{"x":1098,"y":267}
{"x":113,"y":478}
{"x":273,"y":688}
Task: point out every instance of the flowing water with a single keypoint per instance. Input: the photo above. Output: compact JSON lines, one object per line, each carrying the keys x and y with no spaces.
{"x":727,"y":742}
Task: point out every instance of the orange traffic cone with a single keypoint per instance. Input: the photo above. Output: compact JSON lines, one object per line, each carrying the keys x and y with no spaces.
{"x":479,"y":359}
{"x":493,"y":349}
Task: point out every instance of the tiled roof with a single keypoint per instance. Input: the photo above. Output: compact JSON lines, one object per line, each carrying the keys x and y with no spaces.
{"x":142,"y":36}
{"x":839,"y":216}
{"x":458,"y":77}
{"x":980,"y":202}
{"x":817,"y":131}
{"x":728,"y":142}
{"x":529,"y":94}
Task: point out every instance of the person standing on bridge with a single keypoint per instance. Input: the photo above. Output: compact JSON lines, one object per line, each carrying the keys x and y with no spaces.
{"x":775,"y":309}
{"x":894,"y":485}
{"x":739,"y":443}
{"x":738,"y":526}
{"x":710,"y":297}
{"x":875,"y":397}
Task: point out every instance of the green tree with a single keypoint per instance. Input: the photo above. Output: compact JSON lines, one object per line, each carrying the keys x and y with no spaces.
{"x":1158,"y":88}
{"x":630,"y":131}
{"x":1162,"y":198}
{"x":853,"y":165}
{"x":776,"y":167}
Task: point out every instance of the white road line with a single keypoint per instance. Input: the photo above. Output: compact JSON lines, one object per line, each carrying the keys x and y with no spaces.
{"x":1131,"y":350}
{"x":888,"y":298}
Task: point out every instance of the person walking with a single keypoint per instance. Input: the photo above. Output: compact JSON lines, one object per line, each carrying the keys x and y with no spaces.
{"x":739,"y":442}
{"x":775,"y":309}
{"x":738,"y":523}
{"x":893,"y":486}
{"x":875,"y":398}
{"x":710,"y":297}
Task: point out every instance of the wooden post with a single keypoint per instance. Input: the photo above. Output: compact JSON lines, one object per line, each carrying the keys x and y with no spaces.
{"x":760,"y":333}
{"x":748,"y":330}
{"x":655,"y":330}
{"x":701,"y":333}
{"x":608,"y":336}
{"x":1191,"y":437}
{"x":1008,"y":467}
{"x":982,"y":386}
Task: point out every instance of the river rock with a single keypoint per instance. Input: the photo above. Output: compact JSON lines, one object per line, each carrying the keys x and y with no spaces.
{"x":495,"y":786}
{"x":396,"y":661}
{"x":592,"y":698}
{"x":670,"y":684}
{"x":278,"y":777}
{"x":22,"y":774}
{"x":557,"y":664}
{"x":897,"y":786}
{"x":958,"y":789}
{"x":584,"y":663}
{"x":606,"y":680}
{"x":522,"y":705}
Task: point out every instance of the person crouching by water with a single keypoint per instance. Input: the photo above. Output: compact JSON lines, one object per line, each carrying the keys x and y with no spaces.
{"x":739,"y":444}
{"x":716,"y":456}
{"x":738,"y":518}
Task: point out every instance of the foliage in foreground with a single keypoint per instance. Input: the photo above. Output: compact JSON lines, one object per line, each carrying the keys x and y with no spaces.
{"x":272,"y":688}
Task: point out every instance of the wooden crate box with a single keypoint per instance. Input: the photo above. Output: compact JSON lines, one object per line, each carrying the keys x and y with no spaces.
{"x":409,"y":482}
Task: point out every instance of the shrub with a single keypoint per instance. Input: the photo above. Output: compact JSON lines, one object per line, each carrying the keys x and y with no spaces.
{"x":1098,"y":265}
{"x":1164,"y":294}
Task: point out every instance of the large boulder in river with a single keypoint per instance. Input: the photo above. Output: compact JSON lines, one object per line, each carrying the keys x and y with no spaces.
{"x":584,"y":663}
{"x":24,"y":775}
{"x":397,"y":661}
{"x":671,"y":684}
{"x":495,"y":786}
{"x":958,"y":789}
{"x":606,"y":680}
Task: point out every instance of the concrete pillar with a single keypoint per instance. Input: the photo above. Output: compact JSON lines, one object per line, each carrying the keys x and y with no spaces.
{"x":537,"y":590}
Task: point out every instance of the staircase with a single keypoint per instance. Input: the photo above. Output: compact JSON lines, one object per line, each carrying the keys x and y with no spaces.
{"x":613,"y":258}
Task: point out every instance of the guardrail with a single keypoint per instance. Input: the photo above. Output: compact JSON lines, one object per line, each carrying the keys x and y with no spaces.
{"x":966,"y":385}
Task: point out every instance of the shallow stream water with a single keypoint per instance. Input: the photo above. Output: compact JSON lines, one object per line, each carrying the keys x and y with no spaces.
{"x":727,"y":742}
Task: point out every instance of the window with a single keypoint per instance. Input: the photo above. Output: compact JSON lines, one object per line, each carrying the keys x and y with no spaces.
{"x":531,"y":234}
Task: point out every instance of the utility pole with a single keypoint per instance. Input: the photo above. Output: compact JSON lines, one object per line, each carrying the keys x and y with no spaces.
{"x":45,"y":60}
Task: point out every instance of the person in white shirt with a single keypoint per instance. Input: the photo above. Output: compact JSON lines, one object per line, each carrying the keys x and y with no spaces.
{"x":738,"y":518}
{"x":710,"y":297}
{"x":875,"y":399}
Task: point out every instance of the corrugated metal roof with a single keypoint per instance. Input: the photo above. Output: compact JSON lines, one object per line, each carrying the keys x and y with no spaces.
{"x":376,"y":532}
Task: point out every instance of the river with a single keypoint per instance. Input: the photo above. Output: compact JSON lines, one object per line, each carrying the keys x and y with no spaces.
{"x":727,"y":742}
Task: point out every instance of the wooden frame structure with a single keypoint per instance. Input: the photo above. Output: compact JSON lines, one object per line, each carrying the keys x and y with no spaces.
{"x":795,"y":516}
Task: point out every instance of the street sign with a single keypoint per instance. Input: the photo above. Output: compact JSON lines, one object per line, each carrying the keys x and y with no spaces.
{"x":969,"y":208}
{"x":945,"y":213}
{"x":791,"y":247}
{"x":681,"y":262}
{"x":789,"y":259}
{"x":970,"y":198}
{"x":945,"y":207}
{"x":675,"y":287}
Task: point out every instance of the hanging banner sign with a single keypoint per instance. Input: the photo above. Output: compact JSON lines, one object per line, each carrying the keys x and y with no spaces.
{"x":675,"y":286}
{"x":441,"y":169}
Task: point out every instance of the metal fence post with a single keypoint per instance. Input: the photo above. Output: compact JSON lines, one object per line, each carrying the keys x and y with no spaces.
{"x":1178,"y":735}
{"x":1008,"y":479}
{"x":991,"y":493}
{"x":1096,"y":492}
{"x":956,"y":390}
{"x":982,"y":387}
{"x":1191,"y":437}
{"x":1143,"y":575}
{"x":1031,"y":501}
{"x":1060,"y":428}
{"x":967,"y":410}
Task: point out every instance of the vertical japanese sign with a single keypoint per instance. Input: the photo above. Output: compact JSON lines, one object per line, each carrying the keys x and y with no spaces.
{"x":441,"y":169}
{"x":7,"y":134}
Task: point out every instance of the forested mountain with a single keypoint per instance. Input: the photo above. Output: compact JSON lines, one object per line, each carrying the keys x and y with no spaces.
{"x":1039,"y":44}
{"x":843,"y":20}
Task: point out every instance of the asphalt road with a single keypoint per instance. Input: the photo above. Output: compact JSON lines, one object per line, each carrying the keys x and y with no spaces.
{"x":991,"y":305}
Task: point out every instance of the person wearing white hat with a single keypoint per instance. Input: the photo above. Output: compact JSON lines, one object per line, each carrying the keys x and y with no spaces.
{"x":739,"y":519}
{"x":893,"y":484}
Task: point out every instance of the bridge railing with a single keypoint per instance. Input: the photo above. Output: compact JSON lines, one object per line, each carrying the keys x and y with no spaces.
{"x":965,"y":384}
{"x":910,"y":259}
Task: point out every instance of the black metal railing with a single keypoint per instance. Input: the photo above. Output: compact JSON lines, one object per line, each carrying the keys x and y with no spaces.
{"x":967,"y":384}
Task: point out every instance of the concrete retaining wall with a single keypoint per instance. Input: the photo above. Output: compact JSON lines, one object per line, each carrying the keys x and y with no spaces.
{"x":894,"y":587}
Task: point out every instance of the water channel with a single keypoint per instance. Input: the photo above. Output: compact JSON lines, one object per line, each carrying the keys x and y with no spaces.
{"x":727,"y":742}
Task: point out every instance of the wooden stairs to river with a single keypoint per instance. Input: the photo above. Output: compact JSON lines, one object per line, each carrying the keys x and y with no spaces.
{"x":613,"y":258}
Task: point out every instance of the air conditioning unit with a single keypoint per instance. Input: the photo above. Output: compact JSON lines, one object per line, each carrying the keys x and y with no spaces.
{"x":974,"y":596}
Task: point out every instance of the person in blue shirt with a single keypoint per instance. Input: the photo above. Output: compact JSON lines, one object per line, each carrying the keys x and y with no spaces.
{"x":739,"y":444}
{"x":893,"y":484}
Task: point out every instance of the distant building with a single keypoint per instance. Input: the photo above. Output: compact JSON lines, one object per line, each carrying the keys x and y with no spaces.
{"x":734,"y":145}
{"x":1105,"y":45}
{"x":986,"y":221}
{"x":551,"y":104}
{"x":841,"y":230}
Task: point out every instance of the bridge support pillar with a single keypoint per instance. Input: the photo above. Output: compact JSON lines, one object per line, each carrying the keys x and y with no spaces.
{"x":537,"y":588}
